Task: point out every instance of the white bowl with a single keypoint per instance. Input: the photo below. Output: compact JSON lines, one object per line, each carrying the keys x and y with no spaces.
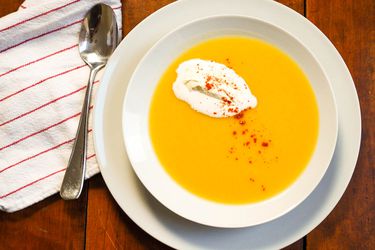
{"x":145,"y":162}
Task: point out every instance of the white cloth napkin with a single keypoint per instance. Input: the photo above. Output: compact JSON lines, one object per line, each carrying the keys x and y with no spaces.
{"x":42,"y":86}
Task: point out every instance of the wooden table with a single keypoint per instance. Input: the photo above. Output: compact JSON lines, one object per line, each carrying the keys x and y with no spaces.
{"x":95,"y":221}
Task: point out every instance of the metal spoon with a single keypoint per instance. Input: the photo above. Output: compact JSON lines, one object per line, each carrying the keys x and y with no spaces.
{"x":98,"y":39}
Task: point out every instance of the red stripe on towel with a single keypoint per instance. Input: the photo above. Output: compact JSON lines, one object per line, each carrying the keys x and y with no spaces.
{"x":33,"y":182}
{"x":41,"y":81}
{"x":40,"y":153}
{"x":41,"y":35}
{"x":45,"y":104}
{"x":40,"y":131}
{"x":42,"y":14}
{"x":38,"y":60}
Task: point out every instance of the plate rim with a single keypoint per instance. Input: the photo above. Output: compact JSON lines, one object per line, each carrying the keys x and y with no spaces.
{"x":351,"y":86}
{"x":240,"y":208}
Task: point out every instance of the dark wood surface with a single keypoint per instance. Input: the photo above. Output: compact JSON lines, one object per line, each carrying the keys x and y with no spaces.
{"x":95,"y":221}
{"x":350,"y":25}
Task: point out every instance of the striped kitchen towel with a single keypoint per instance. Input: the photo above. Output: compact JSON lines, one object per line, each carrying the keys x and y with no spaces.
{"x":42,"y":86}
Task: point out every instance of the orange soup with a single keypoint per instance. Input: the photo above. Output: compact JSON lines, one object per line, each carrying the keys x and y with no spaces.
{"x":252,"y":156}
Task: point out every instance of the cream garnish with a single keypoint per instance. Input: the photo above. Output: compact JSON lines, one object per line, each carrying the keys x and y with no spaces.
{"x":212,"y":88}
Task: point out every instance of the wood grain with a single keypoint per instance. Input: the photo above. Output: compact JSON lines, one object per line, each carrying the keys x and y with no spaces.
{"x":297,"y":5}
{"x":50,"y":224}
{"x":7,"y":7}
{"x":134,"y":11}
{"x":57,"y":224}
{"x":350,"y":25}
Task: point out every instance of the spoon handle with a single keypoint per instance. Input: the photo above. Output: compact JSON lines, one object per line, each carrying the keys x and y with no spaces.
{"x":75,"y":172}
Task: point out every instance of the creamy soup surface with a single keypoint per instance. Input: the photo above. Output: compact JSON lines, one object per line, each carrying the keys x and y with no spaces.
{"x":249,"y":157}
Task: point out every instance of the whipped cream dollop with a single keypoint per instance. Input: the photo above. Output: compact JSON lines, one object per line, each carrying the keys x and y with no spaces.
{"x":212,"y":88}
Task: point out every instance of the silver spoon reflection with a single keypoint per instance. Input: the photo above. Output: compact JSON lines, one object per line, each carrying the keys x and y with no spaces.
{"x":98,"y":39}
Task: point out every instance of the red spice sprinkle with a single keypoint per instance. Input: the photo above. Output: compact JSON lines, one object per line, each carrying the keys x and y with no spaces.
{"x":239,"y":116}
{"x":242,"y":122}
{"x":209,"y":86}
{"x":264,"y":144}
{"x":259,"y":152}
{"x":234,"y":132}
{"x":252,"y":135}
{"x":263,"y":188}
{"x":236,"y":158}
{"x":244,"y":131}
{"x":250,"y":162}
{"x":247,"y":143}
{"x":226,"y":100}
{"x":251,"y":179}
{"x":255,"y":140}
{"x":215,"y":113}
{"x":233,"y":110}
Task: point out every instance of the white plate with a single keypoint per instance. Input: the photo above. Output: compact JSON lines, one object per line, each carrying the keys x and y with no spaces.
{"x":145,"y":162}
{"x":158,"y":221}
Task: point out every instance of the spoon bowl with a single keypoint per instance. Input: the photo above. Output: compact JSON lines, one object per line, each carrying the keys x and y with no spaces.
{"x":98,"y":36}
{"x":98,"y":39}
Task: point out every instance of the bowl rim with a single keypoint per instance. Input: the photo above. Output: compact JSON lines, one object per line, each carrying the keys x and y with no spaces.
{"x":238,"y":223}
